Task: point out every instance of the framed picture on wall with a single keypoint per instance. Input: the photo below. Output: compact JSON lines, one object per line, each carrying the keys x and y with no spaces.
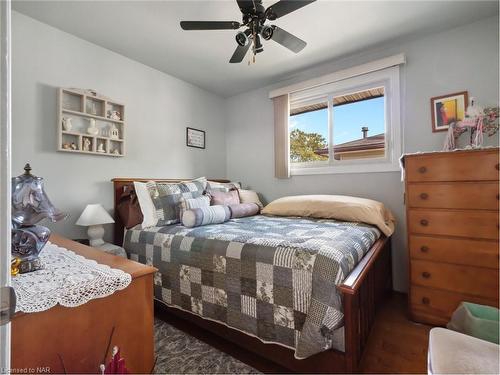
{"x":195,"y":138}
{"x":447,"y":109}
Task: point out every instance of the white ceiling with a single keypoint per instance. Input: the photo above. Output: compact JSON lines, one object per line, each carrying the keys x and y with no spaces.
{"x":149,"y":32}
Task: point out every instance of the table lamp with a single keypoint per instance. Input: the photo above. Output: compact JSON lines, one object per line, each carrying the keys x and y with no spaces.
{"x":93,"y":217}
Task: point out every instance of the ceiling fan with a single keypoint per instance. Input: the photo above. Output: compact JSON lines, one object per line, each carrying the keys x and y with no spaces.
{"x":254,"y":18}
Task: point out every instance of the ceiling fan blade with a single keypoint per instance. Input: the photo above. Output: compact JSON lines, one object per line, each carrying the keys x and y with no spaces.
{"x":209,"y":25}
{"x":288,"y":40}
{"x":240,"y":52}
{"x":246,"y":6}
{"x":284,"y":7}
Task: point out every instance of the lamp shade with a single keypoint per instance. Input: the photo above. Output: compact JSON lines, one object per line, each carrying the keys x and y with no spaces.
{"x":94,"y":214}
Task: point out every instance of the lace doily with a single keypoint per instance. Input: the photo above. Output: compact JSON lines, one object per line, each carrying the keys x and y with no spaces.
{"x":67,"y":279}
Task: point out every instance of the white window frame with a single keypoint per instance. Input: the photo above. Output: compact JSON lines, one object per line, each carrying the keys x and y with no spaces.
{"x":387,"y":78}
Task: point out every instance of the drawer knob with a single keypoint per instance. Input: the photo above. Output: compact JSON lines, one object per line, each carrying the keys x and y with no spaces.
{"x":424,"y":249}
{"x":498,"y":197}
{"x":425,"y":300}
{"x":497,"y":166}
{"x":424,"y":196}
{"x":422,"y":169}
{"x":424,"y":222}
{"x":426,"y":275}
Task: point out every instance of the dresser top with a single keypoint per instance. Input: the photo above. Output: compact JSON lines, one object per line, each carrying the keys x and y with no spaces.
{"x":453,"y":152}
{"x":135,"y":269}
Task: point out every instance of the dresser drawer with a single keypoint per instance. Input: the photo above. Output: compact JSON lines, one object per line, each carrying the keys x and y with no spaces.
{"x":433,"y":306}
{"x":453,"y":166}
{"x":471,"y":224}
{"x":465,"y":195}
{"x":481,"y":282}
{"x":480,"y":253}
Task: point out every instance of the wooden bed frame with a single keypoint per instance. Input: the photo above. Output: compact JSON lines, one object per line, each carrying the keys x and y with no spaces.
{"x":362,"y":293}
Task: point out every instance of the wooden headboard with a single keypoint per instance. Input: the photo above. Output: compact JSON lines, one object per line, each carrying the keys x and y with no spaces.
{"x":119,"y":186}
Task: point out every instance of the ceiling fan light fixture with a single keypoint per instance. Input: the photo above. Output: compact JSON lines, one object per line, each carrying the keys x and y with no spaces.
{"x":267,"y":32}
{"x":242,"y":39}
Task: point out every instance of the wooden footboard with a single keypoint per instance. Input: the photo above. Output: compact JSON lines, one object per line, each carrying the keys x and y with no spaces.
{"x":363,"y":291}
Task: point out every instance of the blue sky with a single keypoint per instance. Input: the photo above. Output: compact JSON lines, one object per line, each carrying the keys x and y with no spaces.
{"x":348,"y":120}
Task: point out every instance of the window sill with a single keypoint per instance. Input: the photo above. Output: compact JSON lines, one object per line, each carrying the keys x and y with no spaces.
{"x":338,"y":169}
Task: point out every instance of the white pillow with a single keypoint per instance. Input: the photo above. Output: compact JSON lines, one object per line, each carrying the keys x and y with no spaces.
{"x":146,"y":204}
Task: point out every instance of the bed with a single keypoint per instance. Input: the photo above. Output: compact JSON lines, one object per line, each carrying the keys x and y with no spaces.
{"x":300,"y":292}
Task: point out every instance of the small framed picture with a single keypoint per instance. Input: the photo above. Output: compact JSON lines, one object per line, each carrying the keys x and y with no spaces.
{"x":195,"y":138}
{"x":447,"y":109}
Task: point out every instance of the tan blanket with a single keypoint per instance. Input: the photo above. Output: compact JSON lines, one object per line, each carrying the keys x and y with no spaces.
{"x":339,"y":207}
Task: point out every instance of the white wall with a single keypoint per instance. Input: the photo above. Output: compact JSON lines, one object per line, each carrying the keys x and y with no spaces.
{"x":158,"y":109}
{"x":464,"y":58}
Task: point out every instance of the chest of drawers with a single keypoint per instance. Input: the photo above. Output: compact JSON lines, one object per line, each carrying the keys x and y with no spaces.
{"x":452,"y":219}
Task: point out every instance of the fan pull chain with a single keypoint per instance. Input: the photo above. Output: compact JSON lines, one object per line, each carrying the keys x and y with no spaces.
{"x":252,"y":59}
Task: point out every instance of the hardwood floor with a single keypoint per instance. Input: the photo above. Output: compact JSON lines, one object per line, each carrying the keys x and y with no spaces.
{"x":396,"y":345}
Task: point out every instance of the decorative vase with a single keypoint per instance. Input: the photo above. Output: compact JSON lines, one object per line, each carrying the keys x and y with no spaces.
{"x":66,"y":123}
{"x":30,"y":204}
{"x":92,"y":129}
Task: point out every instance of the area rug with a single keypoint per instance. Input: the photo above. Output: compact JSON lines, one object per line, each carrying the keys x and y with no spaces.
{"x":180,"y":353}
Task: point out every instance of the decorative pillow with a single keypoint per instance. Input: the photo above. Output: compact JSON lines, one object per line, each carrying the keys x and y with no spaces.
{"x":222,"y":186}
{"x":340,"y":207}
{"x":244,"y":210}
{"x":202,"y":180}
{"x":166,"y":198}
{"x":249,"y":196}
{"x":207,"y":215}
{"x":190,"y":203}
{"x":145,"y":202}
{"x":224,"y":198}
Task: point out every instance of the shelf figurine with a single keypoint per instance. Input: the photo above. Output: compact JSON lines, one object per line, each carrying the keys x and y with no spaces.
{"x":92,"y":129}
{"x":114,"y":115}
{"x":66,"y":123}
{"x":113,"y":132}
{"x":93,"y":108}
{"x":101,"y":148}
{"x":86,"y":144}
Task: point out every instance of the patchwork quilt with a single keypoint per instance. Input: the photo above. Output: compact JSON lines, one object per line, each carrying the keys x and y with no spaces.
{"x":273,"y":278}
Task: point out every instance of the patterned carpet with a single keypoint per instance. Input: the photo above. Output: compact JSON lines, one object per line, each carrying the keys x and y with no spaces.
{"x":179,"y":353}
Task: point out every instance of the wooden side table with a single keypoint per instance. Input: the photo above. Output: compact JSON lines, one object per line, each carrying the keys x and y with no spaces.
{"x":77,"y":337}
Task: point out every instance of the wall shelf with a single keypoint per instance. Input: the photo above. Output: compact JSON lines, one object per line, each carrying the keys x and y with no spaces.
{"x":77,"y":113}
{"x":88,"y":152}
{"x":81,"y":110}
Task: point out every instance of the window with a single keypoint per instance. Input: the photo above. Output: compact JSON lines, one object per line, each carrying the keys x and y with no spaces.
{"x":347,"y":126}
{"x":309,"y":132}
{"x":359,"y":121}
